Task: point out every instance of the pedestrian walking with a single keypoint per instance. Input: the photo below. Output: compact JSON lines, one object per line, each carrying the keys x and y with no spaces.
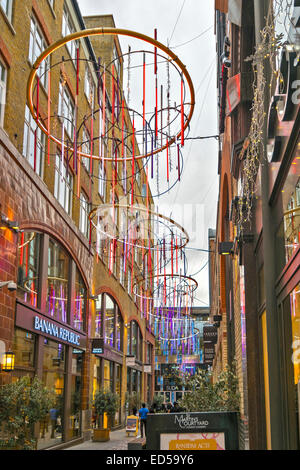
{"x":143,"y":417}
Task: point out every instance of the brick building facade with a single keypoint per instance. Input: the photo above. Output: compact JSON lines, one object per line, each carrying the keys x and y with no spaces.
{"x":54,"y":250}
{"x":257,"y":276}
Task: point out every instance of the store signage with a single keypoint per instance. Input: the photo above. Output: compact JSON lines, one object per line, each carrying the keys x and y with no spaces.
{"x":46,"y":326}
{"x":130,"y":361}
{"x":97,"y":346}
{"x":171,"y":388}
{"x":190,"y":422}
{"x":195,"y":441}
{"x":233,"y":92}
{"x":210,"y":334}
{"x":147,"y":369}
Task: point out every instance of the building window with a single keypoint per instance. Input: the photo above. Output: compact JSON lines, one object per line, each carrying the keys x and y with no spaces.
{"x":117,"y":63}
{"x":51,"y":2}
{"x":68,"y":28}
{"x":109,"y":321}
{"x":7,"y":8}
{"x":86,"y":148}
{"x":37,"y":45}
{"x":89,"y":86}
{"x":76,"y":387}
{"x":3,"y":78}
{"x":129,"y":281}
{"x":66,"y":108}
{"x":63,"y":184}
{"x":108,"y":317}
{"x":80,"y":302}
{"x":102,"y":181}
{"x":58,"y":282}
{"x":84,"y":213}
{"x":24,"y":348}
{"x":28,"y":267}
{"x":33,"y":143}
{"x":122,"y":271}
{"x":290,"y":196}
{"x":108,"y":376}
{"x":135,"y":341}
{"x":54,"y":362}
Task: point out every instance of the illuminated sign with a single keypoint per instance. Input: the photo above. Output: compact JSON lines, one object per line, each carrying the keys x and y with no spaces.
{"x":46,"y":326}
{"x":97,"y":346}
{"x":186,"y":441}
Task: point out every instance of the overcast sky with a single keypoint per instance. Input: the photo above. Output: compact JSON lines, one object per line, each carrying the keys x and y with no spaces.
{"x":179,"y":23}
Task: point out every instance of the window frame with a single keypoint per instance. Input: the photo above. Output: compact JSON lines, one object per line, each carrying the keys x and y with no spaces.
{"x":67,"y":28}
{"x":3,"y":90}
{"x":65,"y":185}
{"x":84,"y":229}
{"x":32,"y":55}
{"x":31,"y":126}
{"x":65,"y":101}
{"x":8,"y":10}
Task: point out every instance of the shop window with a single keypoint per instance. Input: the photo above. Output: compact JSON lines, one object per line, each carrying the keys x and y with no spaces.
{"x":295,"y":318}
{"x":33,"y":143}
{"x":96,"y":377}
{"x":24,"y":349}
{"x":261,"y":285}
{"x":290,"y":196}
{"x":291,"y":347}
{"x":118,"y":391}
{"x":3,"y":80}
{"x":58,"y":275}
{"x":37,"y":44}
{"x":76,"y":386}
{"x":135,"y":341}
{"x":54,"y":379}
{"x":108,"y":376}
{"x":28,"y":267}
{"x":63,"y":184}
{"x":80,"y":302}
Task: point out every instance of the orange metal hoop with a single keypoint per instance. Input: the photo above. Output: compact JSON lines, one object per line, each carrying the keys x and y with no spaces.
{"x":99,"y":32}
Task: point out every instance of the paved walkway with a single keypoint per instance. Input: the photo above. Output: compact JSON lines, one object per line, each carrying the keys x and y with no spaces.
{"x":118,"y":441}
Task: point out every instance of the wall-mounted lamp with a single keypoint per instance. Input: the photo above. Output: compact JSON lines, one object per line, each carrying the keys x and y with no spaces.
{"x":8,"y":361}
{"x":93,"y":297}
{"x":225,"y":248}
{"x":5,"y":222}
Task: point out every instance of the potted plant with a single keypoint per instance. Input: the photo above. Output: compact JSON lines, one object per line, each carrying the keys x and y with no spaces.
{"x":23,"y":404}
{"x":133,"y":402}
{"x":202,"y":394}
{"x":104,"y":402}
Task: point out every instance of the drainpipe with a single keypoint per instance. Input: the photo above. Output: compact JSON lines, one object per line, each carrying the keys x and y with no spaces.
{"x":277,"y":435}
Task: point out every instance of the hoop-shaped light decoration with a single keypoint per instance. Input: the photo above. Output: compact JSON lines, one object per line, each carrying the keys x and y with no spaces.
{"x":131,"y":209}
{"x":102,"y":32}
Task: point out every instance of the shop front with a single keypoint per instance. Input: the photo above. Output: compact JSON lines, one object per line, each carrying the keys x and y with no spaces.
{"x":50,"y":332}
{"x":108,"y":360}
{"x":287,"y":210}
